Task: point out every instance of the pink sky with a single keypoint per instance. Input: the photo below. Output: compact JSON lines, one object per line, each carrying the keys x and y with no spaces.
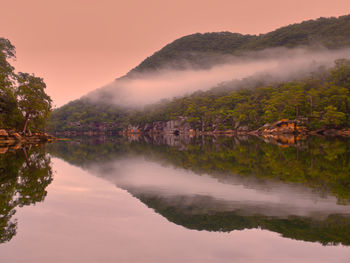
{"x":80,"y":45}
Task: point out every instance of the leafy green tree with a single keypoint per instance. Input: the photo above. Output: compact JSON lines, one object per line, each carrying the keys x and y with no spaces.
{"x":7,"y":51}
{"x":33,"y":102}
{"x":333,"y":117}
{"x":9,"y":114}
{"x":340,"y":74}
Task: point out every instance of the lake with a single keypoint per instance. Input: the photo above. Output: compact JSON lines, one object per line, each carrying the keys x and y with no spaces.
{"x":176,"y":199}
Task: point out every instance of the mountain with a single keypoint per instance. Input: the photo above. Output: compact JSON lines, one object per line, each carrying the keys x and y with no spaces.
{"x":197,"y":49}
{"x":203,"y":51}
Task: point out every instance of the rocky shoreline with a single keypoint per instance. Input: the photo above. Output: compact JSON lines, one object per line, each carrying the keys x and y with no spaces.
{"x":180,"y":126}
{"x":12,"y":139}
{"x":281,"y":127}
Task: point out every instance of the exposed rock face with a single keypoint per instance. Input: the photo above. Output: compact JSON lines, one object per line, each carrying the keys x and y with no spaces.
{"x":3,"y":133}
{"x":243,"y":129}
{"x":78,"y":127}
{"x":3,"y":150}
{"x":283,"y":126}
{"x":178,"y":126}
{"x":15,"y":140}
{"x":17,"y":136}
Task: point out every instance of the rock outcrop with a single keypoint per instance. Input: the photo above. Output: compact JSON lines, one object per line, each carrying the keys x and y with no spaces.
{"x":3,"y":133}
{"x":12,"y":139}
{"x":180,"y":126}
{"x":283,"y":126}
{"x":177,"y":126}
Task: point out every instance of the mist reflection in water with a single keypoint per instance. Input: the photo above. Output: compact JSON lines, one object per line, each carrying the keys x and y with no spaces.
{"x":144,"y":201}
{"x":86,"y":219}
{"x":224,"y":184}
{"x":142,"y":177}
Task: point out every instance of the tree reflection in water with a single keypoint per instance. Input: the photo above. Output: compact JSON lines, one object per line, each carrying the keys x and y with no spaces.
{"x":315,"y":167}
{"x":24,"y":175}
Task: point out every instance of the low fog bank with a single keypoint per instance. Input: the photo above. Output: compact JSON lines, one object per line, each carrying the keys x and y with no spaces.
{"x":279,"y":64}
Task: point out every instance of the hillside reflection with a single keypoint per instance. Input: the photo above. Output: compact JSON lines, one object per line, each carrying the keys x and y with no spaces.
{"x":24,"y":175}
{"x":300,"y":190}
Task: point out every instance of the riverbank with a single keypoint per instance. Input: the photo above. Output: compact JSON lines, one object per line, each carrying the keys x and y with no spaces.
{"x":281,"y":127}
{"x":181,"y":127}
{"x":238,"y":132}
{"x":15,"y":139}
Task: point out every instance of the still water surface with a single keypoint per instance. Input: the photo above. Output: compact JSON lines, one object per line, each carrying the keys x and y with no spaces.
{"x":177,"y":200}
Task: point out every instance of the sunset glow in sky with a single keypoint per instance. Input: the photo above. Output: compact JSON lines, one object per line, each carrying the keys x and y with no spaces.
{"x":80,"y":45}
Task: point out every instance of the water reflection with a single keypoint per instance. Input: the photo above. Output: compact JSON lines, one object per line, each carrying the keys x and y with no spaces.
{"x":24,"y":175}
{"x":222,"y":184}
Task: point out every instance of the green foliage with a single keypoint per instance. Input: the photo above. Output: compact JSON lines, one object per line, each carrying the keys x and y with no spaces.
{"x":32,"y":99}
{"x":7,"y":51}
{"x":85,"y":115}
{"x":197,"y":50}
{"x":311,"y":99}
{"x":253,"y":103}
{"x":321,"y":99}
{"x":9,"y":114}
{"x":22,"y":96}
{"x":332,"y":117}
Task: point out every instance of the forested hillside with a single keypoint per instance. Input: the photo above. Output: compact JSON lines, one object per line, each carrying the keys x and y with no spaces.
{"x":321,"y":99}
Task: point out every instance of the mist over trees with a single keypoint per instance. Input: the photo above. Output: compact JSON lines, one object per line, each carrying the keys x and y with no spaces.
{"x":23,"y":101}
{"x":321,"y":98}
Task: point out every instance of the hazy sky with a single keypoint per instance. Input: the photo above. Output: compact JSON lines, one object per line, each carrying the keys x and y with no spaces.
{"x":80,"y":45}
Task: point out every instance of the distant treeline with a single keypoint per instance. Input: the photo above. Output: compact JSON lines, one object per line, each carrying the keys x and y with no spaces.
{"x":321,"y":100}
{"x":23,"y":101}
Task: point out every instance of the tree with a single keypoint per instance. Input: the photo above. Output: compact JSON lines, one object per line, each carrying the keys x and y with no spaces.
{"x":340,"y":74}
{"x":7,"y":51}
{"x":9,"y":114}
{"x":33,"y":102}
{"x":333,"y":117}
